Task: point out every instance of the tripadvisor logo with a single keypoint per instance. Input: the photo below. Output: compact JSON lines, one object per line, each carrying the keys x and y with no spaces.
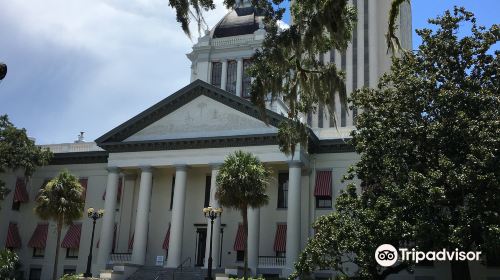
{"x":387,"y":255}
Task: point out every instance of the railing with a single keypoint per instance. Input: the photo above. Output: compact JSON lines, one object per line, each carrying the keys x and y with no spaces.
{"x":120,"y":258}
{"x":271,"y":261}
{"x":232,"y":40}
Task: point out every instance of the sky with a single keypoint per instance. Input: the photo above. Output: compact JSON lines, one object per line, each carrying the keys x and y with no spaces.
{"x":90,"y":65}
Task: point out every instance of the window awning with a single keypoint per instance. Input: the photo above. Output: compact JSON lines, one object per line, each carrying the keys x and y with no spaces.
{"x":72,"y":238}
{"x":323,"y":185}
{"x":280,"y":238}
{"x":13,"y":238}
{"x":239,"y":242}
{"x":131,"y":242}
{"x":166,"y":242}
{"x":39,"y":237}
{"x":83,"y":182}
{"x":118,"y":192}
{"x":20,"y":194}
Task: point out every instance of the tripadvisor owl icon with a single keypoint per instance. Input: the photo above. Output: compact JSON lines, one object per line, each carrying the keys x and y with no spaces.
{"x":386,"y":255}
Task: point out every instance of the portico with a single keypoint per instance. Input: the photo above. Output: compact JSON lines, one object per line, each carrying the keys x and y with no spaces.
{"x":183,"y":168}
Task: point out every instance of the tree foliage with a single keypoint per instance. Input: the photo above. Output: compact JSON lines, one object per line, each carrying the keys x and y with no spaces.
{"x":241,"y":183}
{"x":428,"y":137}
{"x":62,"y":201}
{"x":9,"y":265}
{"x":17,"y":151}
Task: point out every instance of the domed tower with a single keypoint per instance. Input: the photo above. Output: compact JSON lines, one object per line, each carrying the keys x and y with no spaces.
{"x":223,"y":54}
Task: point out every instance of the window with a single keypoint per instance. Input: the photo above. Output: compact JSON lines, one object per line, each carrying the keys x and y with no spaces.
{"x":355,"y":60}
{"x":343,"y":112}
{"x":320,"y":115}
{"x":35,"y":274}
{"x":283,"y":190}
{"x":247,"y":79}
{"x":69,"y":271}
{"x":38,"y":252}
{"x":72,"y":253}
{"x":216,"y":74}
{"x":231,"y":76}
{"x":280,"y":254}
{"x":16,"y":205}
{"x":323,"y":202}
{"x":240,"y":256}
{"x":208,"y":182}
{"x":172,"y":193}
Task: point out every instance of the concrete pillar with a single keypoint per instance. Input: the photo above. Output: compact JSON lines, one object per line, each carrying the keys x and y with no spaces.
{"x":293,"y":216}
{"x":217,"y":222}
{"x":373,"y":42}
{"x":223,"y":80}
{"x":108,"y":220}
{"x":253,"y":239}
{"x":142,"y":217}
{"x":177,"y":223}
{"x":239,"y":76}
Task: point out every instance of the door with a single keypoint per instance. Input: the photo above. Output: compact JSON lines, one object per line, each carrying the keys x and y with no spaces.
{"x":201,"y":242}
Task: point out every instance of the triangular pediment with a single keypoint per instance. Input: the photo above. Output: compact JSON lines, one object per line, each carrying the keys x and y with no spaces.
{"x":198,"y":111}
{"x":202,"y":117}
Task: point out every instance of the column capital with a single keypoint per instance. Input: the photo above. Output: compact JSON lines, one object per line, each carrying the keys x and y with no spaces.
{"x":113,"y":169}
{"x":146,"y":168}
{"x":181,"y":167}
{"x":295,"y":163}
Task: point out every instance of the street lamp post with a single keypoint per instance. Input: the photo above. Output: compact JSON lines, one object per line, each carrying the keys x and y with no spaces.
{"x":94,"y":215}
{"x":212,"y":214}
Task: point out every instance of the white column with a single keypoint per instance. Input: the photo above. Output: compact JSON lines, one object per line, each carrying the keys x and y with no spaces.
{"x":177,"y":223}
{"x":293,"y":216}
{"x":108,"y":219}
{"x":372,"y":42}
{"x":142,"y":217}
{"x":223,"y":79}
{"x":253,"y":239}
{"x":239,"y":76}
{"x":217,"y":222}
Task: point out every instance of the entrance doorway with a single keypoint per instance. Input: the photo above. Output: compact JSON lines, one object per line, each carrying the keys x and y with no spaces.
{"x":201,"y":243}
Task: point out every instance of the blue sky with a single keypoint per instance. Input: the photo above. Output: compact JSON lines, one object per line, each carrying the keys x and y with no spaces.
{"x":89,"y":65}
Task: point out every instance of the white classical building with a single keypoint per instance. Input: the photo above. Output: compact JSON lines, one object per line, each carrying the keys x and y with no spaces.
{"x":154,"y":173}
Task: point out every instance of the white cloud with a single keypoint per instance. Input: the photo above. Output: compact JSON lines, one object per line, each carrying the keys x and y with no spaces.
{"x":93,"y":63}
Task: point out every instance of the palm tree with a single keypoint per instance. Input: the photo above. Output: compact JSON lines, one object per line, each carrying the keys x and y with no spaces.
{"x":60,"y":200}
{"x":241,"y":183}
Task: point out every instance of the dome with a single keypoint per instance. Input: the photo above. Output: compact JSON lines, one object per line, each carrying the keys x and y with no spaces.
{"x":240,"y":21}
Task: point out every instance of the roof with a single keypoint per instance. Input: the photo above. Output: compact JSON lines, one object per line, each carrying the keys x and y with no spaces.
{"x":240,"y":21}
{"x":113,"y":140}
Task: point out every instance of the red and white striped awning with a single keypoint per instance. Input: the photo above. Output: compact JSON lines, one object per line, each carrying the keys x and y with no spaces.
{"x":20,"y":194}
{"x":39,"y":237}
{"x":13,"y":238}
{"x":166,"y":242}
{"x":72,"y":237}
{"x":323,"y":185}
{"x":239,"y":242}
{"x":280,"y":238}
{"x":118,"y":193}
{"x":131,"y":242}
{"x":83,"y":182}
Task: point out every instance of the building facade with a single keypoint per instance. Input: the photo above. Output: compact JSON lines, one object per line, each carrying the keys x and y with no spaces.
{"x":154,"y":173}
